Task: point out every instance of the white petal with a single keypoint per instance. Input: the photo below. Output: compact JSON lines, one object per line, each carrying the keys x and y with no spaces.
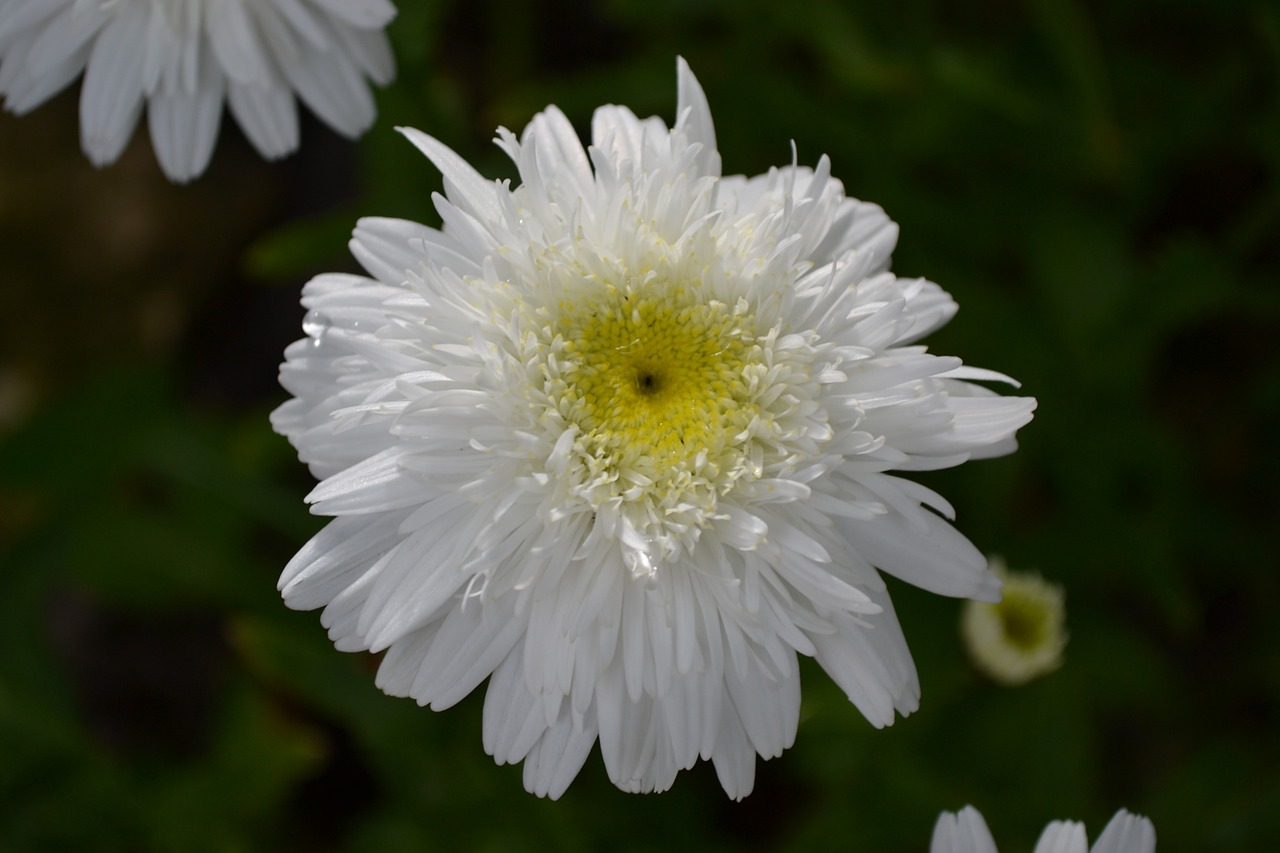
{"x":1063,"y":836}
{"x":470,"y":645}
{"x":962,"y":832}
{"x":374,"y":485}
{"x":695,"y":119}
{"x":184,"y":127}
{"x":513,"y":718}
{"x":334,"y":558}
{"x":623,"y":726}
{"x":17,"y":17}
{"x":392,"y":249}
{"x":62,"y":39}
{"x":371,"y":52}
{"x":1126,"y":833}
{"x":234,"y":40}
{"x":464,"y":185}
{"x":300,"y":18}
{"x":365,"y":14}
{"x":734,"y":759}
{"x":871,"y":663}
{"x":929,"y":306}
{"x":268,"y":115}
{"x":768,"y":706}
{"x":37,"y":66}
{"x":331,"y":85}
{"x":978,"y":422}
{"x":558,"y":755}
{"x":559,"y":151}
{"x":403,"y":661}
{"x":925,"y":551}
{"x":416,"y":582}
{"x":859,"y":227}
{"x":617,"y":134}
{"x":111,"y":97}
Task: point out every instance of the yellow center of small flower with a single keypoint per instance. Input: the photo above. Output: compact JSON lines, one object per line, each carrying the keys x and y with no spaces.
{"x":1023,"y":635}
{"x":657,"y":380}
{"x":1025,"y":618}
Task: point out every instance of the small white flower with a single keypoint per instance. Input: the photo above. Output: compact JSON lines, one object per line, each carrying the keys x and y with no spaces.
{"x":966,"y":832}
{"x":1020,"y":637}
{"x":619,"y":439}
{"x":182,"y":58}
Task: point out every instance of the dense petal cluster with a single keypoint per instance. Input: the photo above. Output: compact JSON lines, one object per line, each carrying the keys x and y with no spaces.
{"x":621,"y":440}
{"x":182,"y":58}
{"x":966,"y":832}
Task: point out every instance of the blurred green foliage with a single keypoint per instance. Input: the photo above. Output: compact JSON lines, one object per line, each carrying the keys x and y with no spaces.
{"x":1095,"y":183}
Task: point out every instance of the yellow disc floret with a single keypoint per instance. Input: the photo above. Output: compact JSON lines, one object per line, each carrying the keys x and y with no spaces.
{"x":656,"y":381}
{"x":663,"y":401}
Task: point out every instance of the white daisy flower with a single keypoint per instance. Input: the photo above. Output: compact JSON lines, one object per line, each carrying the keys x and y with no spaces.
{"x":182,"y":58}
{"x":1022,"y":636}
{"x":966,"y":832}
{"x":619,"y":439}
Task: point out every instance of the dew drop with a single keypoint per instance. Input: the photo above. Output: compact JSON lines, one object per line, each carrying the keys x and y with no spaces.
{"x":315,"y":324}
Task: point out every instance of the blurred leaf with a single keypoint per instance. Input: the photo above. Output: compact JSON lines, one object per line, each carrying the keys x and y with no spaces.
{"x":1083,"y":271}
{"x":297,"y":249}
{"x":228,"y":801}
{"x":85,"y":439}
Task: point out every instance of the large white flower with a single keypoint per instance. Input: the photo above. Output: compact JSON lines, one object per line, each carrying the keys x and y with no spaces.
{"x":182,"y":58}
{"x":966,"y":832}
{"x":619,"y":440}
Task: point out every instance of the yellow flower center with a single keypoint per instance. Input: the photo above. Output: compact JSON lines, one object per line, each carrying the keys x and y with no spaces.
{"x":657,"y":380}
{"x":1023,"y":635}
{"x":1024,"y":620}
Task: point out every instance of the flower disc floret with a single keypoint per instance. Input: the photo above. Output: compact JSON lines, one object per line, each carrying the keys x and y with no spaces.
{"x":672,"y":399}
{"x":655,"y":380}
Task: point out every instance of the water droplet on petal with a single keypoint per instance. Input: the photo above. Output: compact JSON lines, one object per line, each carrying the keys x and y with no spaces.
{"x":315,"y":324}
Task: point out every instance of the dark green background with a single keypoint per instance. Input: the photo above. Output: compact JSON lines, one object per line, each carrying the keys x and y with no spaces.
{"x":1095,"y":183}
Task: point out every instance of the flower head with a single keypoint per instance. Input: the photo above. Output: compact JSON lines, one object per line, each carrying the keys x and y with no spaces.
{"x":182,"y":58}
{"x":966,"y":832}
{"x":1022,"y":636}
{"x":619,"y":439}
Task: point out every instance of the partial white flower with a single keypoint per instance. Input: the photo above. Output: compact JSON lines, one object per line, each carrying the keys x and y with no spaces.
{"x":619,"y":439}
{"x":183,"y":58}
{"x":1022,"y":636}
{"x":966,"y":832}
